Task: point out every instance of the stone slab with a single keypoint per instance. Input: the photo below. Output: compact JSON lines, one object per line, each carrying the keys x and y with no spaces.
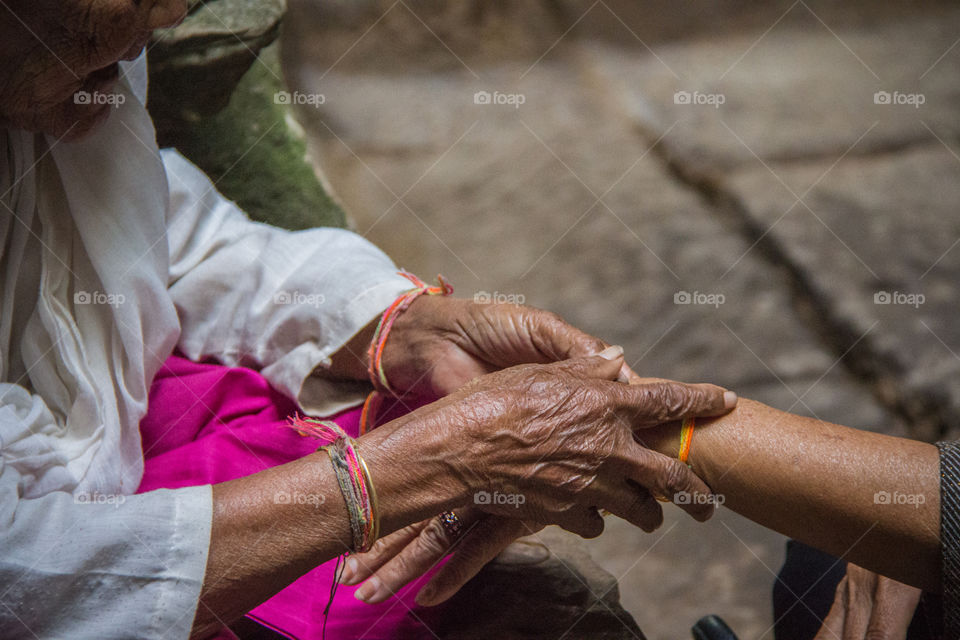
{"x":793,"y":91}
{"x":876,"y":239}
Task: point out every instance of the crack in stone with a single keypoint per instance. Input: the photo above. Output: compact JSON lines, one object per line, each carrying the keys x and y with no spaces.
{"x":926,"y":412}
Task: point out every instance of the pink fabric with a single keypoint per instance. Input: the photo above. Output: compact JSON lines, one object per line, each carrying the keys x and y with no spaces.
{"x":208,"y":423}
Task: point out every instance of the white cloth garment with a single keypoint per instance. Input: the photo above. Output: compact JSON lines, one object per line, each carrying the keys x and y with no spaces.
{"x":113,"y":254}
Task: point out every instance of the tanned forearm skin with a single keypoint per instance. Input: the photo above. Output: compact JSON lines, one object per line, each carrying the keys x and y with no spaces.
{"x":819,"y":483}
{"x":259,"y":545}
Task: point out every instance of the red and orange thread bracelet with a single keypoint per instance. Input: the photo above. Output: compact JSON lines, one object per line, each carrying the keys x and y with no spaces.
{"x":378,"y":376}
{"x":686,"y":437}
{"x":353,"y":476}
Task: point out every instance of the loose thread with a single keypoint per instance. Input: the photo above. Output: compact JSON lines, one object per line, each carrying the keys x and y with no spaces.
{"x":352,"y":476}
{"x":357,"y":488}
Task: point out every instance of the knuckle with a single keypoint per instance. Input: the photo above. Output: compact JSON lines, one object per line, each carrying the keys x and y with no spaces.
{"x":401,"y":565}
{"x":675,"y":476}
{"x":675,"y":398}
{"x":434,"y":539}
{"x":660,"y":401}
{"x":378,"y":548}
{"x":703,"y":398}
{"x":550,"y":318}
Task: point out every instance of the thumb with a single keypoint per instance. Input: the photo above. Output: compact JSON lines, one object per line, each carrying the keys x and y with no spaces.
{"x":605,"y":365}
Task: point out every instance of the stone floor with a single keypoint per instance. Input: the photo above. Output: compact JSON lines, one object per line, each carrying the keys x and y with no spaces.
{"x":720,"y":188}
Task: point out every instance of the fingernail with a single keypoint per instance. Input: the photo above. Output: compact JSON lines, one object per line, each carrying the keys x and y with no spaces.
{"x":349,"y":572}
{"x":611,"y":353}
{"x":368,"y":591}
{"x":729,"y":400}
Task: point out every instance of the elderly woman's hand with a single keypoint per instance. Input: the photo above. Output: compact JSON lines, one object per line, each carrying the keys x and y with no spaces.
{"x":407,"y":554}
{"x":441,"y":343}
{"x":546,"y":444}
{"x":553,"y":443}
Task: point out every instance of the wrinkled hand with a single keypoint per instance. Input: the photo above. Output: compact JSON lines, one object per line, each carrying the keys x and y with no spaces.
{"x":553,"y":443}
{"x":405,"y":555}
{"x":869,"y":606}
{"x":441,"y":343}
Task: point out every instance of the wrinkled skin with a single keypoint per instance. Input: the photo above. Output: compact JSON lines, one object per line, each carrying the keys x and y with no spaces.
{"x":440,"y":343}
{"x":560,"y":435}
{"x":871,"y":606}
{"x":410,"y":552}
{"x":449,"y":341}
{"x":51,"y":49}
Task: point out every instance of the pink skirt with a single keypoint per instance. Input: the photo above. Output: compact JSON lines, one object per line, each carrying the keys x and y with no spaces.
{"x":209,"y":423}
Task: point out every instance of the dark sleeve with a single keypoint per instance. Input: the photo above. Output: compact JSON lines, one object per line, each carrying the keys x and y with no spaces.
{"x":950,"y":535}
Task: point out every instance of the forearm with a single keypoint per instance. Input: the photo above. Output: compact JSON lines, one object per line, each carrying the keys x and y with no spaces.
{"x":274,"y":526}
{"x":821,"y":483}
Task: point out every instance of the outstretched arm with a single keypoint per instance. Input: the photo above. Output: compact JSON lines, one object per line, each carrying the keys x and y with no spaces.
{"x":868,"y":498}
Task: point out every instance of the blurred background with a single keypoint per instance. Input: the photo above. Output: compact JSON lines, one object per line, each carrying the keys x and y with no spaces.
{"x":760,"y":195}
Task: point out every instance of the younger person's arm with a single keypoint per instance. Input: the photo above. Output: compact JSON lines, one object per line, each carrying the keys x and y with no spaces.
{"x":869,"y":498}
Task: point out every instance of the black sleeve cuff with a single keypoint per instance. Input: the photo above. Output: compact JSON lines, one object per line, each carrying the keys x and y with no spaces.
{"x":950,"y":535}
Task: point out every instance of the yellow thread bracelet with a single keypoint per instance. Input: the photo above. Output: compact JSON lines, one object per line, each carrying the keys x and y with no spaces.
{"x":686,"y":436}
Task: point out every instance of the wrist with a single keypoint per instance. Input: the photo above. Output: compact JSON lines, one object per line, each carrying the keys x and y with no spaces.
{"x":663,"y":438}
{"x":416,"y":470}
{"x":351,"y":361}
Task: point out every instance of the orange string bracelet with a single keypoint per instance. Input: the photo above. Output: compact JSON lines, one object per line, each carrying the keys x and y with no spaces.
{"x":686,"y":437}
{"x":378,"y":376}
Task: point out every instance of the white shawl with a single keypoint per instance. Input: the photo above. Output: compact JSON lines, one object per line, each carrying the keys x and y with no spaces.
{"x":111,"y":255}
